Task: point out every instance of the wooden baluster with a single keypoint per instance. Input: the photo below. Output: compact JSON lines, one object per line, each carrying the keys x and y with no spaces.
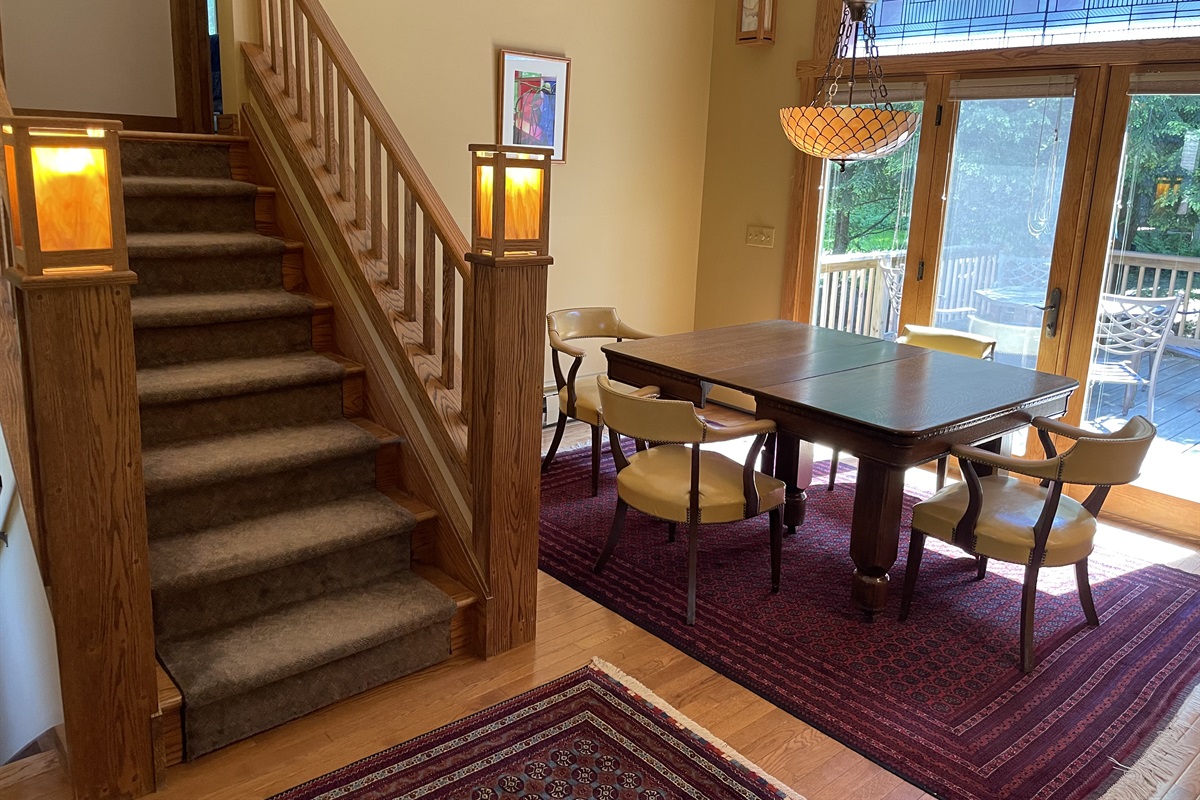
{"x":300,"y":72}
{"x":360,"y":166}
{"x":393,"y":226}
{"x":410,"y":255}
{"x":449,"y":297}
{"x":343,"y":137}
{"x":468,"y":347}
{"x":327,"y":108}
{"x":285,"y":45}
{"x":314,"y":90}
{"x":270,"y":35}
{"x":376,"y":197}
{"x":428,"y":286}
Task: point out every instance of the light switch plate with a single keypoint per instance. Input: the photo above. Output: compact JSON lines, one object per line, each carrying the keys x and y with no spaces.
{"x":760,"y":236}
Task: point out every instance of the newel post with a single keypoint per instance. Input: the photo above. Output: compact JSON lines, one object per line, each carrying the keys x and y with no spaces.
{"x":510,"y":232}
{"x":69,"y":282}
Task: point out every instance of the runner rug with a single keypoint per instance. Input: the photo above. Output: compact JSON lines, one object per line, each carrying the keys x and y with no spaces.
{"x":940,"y":699}
{"x":595,"y":733}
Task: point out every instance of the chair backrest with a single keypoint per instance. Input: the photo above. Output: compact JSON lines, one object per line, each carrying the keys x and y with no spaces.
{"x":948,"y":341}
{"x":1108,"y":459}
{"x":648,"y":418}
{"x":584,"y":323}
{"x":1132,"y":325}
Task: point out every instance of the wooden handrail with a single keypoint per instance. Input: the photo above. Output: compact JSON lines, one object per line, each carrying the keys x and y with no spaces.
{"x":393,"y":142}
{"x":462,"y":338}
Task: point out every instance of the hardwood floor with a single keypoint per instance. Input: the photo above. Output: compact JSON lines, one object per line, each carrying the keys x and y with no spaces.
{"x":571,"y":630}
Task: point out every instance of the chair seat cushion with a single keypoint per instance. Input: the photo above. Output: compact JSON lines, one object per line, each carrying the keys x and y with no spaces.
{"x":658,"y":482}
{"x":587,"y":400}
{"x":1011,"y":508}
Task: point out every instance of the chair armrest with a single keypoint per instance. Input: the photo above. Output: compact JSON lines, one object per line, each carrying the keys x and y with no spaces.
{"x":646,"y":391}
{"x":1047,"y":468}
{"x":1063,"y":429}
{"x":626,"y":332}
{"x":560,"y":345}
{"x":713,"y":433}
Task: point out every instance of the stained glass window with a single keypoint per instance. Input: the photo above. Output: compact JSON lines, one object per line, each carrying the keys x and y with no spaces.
{"x":923,"y":26}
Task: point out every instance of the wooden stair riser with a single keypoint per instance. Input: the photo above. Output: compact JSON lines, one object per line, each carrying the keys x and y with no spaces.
{"x":206,"y":608}
{"x":269,"y":494}
{"x":157,"y":347}
{"x":293,"y":268}
{"x":292,"y":405}
{"x":264,"y":212}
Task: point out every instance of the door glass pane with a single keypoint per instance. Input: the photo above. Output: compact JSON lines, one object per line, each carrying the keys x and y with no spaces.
{"x":1146,"y":347}
{"x":1001,"y":210}
{"x":864,"y":236}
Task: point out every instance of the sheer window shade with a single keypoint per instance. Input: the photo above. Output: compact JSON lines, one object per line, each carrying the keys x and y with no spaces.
{"x":1012,"y":88}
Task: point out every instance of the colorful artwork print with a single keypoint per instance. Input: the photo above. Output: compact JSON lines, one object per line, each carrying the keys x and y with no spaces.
{"x":533,"y":112}
{"x":532,"y":102}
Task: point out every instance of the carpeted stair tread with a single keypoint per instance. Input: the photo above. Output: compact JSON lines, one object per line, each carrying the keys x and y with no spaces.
{"x":201,"y":380}
{"x":178,"y":310}
{"x":173,"y":186}
{"x":231,"y":551}
{"x":302,"y":637}
{"x":179,"y":245}
{"x":224,"y":458}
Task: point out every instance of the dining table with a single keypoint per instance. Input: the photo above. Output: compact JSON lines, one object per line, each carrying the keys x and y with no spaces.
{"x":892,"y":405}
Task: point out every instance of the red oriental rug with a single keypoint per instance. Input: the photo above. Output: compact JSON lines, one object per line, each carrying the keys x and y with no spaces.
{"x":939,"y":699}
{"x":595,"y":733}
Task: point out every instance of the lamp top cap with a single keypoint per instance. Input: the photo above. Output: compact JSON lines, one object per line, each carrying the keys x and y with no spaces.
{"x":511,"y":148}
{"x":66,"y":123}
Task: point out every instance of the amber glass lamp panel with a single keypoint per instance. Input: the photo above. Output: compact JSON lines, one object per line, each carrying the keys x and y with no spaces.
{"x":10,"y":168}
{"x":522,"y":202}
{"x":71,"y":197}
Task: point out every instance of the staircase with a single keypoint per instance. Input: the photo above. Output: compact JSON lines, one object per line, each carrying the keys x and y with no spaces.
{"x":279,"y":557}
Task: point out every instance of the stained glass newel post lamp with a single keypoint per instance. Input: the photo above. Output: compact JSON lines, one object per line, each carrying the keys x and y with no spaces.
{"x":850,"y":118}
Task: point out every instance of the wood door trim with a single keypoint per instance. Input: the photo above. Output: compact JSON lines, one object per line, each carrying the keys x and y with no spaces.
{"x":193,"y":66}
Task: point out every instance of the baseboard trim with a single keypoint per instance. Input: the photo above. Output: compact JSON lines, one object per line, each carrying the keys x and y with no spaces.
{"x":132,"y":122}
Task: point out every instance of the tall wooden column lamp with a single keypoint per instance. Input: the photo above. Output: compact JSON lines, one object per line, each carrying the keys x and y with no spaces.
{"x":68,"y":270}
{"x":510,"y":238}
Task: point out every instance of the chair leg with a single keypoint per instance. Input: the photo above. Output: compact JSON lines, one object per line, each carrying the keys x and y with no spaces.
{"x":941,"y":473}
{"x":980,"y":567}
{"x":1028,"y":597}
{"x":916,"y":549}
{"x":693,"y":547}
{"x":614,"y":533}
{"x":671,"y":528}
{"x":833,"y":466}
{"x":595,"y":460}
{"x":554,"y":443}
{"x":1085,"y":593}
{"x":776,"y":518}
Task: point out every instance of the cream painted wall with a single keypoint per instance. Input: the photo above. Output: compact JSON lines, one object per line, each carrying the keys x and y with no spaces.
{"x":30,"y":698}
{"x":110,"y":57}
{"x":625,"y":214}
{"x":748,"y":173}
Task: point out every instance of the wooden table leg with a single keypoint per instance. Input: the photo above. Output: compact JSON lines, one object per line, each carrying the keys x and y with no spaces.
{"x":787,"y":469}
{"x":875,"y":532}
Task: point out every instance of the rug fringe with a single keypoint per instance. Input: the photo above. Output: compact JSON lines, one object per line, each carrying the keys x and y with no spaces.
{"x":642,"y":691}
{"x":1163,"y":759}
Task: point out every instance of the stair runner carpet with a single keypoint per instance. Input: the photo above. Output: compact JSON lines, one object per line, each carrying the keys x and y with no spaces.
{"x":280,"y":573}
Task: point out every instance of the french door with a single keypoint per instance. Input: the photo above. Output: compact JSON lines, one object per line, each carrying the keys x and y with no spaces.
{"x":1020,"y":208}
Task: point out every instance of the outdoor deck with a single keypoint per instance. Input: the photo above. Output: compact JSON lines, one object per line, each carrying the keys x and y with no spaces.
{"x":1174,"y":462}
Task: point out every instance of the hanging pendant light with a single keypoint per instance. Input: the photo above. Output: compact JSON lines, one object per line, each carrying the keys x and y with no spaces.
{"x":831,"y":126}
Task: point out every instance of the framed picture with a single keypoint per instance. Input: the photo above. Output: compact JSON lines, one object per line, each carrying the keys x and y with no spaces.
{"x":533,"y":101}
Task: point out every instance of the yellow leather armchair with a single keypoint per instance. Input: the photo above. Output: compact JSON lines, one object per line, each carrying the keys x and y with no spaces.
{"x":581,"y":400}
{"x":677,"y":481}
{"x":1026,"y":522}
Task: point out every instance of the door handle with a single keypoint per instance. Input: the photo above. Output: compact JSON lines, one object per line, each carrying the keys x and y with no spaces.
{"x":1051,"y":315}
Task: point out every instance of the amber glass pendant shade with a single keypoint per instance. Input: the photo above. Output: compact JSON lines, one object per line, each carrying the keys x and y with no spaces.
{"x":848,"y":133}
{"x":850,"y":118}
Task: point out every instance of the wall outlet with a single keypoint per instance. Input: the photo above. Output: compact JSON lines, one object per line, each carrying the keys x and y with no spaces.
{"x":760,"y":236}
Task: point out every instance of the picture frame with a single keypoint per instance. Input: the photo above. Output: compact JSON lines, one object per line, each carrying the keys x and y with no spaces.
{"x":533,"y":101}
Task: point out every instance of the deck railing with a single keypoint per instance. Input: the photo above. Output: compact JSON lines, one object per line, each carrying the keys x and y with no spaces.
{"x":852,"y":294}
